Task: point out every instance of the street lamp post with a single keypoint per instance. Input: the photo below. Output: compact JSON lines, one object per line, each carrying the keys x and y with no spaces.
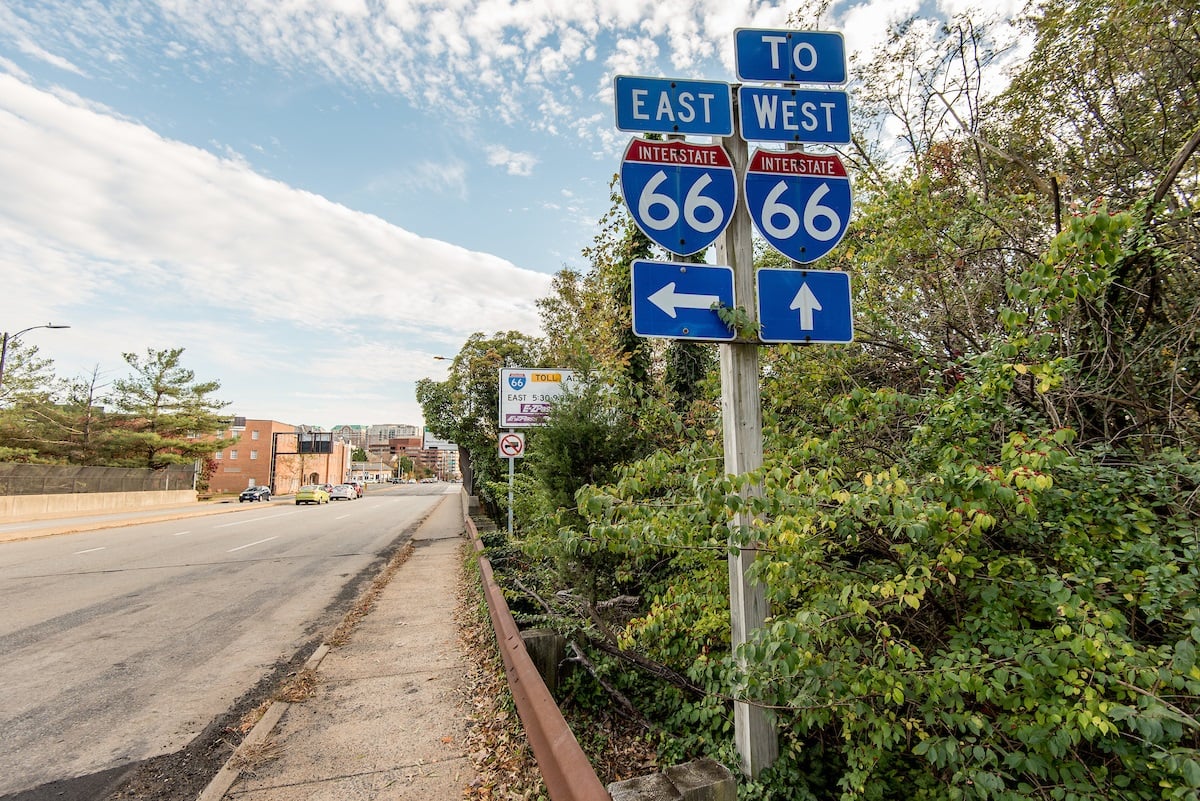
{"x":13,"y":338}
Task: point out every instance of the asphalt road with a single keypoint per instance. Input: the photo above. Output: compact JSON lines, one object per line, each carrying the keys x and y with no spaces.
{"x":123,"y":644}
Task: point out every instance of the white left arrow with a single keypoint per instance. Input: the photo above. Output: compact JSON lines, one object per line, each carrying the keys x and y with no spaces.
{"x":669,"y":300}
{"x":807,"y":303}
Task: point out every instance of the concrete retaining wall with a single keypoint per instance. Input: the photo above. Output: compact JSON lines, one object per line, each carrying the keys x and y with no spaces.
{"x":36,"y":507}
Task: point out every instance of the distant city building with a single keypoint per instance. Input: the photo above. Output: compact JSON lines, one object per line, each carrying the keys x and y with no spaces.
{"x":382,"y":432}
{"x":440,"y":462}
{"x":356,"y":436}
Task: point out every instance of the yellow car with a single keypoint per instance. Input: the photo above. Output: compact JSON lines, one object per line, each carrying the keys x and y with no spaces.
{"x":312,"y":493}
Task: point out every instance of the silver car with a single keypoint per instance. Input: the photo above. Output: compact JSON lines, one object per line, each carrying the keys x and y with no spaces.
{"x":343,"y":492}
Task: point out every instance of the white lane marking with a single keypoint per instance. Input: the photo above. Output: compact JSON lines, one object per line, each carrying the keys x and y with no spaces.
{"x":341,"y":517}
{"x":89,"y":550}
{"x":180,"y":533}
{"x":250,"y":545}
{"x":252,"y":520}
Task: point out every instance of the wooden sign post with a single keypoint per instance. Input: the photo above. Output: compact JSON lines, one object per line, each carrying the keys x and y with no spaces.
{"x":741,"y":414}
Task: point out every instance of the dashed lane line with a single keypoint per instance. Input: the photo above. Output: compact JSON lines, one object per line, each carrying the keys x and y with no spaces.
{"x":251,"y":544}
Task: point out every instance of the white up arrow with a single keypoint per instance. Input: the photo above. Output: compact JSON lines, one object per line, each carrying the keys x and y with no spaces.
{"x":807,"y":303}
{"x":669,"y":300}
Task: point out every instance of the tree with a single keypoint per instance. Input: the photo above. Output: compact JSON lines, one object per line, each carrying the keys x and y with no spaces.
{"x":978,"y":525}
{"x":359,"y":455}
{"x":404,"y":466}
{"x":27,"y":377}
{"x":1108,"y":105}
{"x":465,"y":408}
{"x":26,"y":399}
{"x":166,"y":416}
{"x":74,"y":428}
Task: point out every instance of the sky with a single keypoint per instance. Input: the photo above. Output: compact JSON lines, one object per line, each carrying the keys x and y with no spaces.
{"x":318,"y":198}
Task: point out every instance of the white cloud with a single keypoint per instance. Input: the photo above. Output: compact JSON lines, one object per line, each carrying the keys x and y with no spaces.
{"x":212,"y":249}
{"x":29,"y":48}
{"x":513,"y":163}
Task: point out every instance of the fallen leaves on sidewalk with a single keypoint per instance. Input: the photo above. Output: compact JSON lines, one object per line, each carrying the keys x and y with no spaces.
{"x":300,"y":686}
{"x":367,"y":601}
{"x":250,"y":757}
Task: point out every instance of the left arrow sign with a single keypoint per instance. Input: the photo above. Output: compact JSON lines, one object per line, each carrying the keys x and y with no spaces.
{"x":669,"y":300}
{"x":677,"y":300}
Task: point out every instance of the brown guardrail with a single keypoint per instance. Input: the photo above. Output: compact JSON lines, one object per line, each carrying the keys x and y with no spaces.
{"x":566,"y":771}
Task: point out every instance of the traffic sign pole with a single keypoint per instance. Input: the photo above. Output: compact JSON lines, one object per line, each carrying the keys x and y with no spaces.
{"x":741,"y":412}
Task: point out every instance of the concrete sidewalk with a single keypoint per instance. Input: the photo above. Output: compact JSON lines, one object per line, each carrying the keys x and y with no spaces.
{"x":387,"y":718}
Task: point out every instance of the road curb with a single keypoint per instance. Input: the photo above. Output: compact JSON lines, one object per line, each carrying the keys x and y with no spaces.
{"x":228,"y":774}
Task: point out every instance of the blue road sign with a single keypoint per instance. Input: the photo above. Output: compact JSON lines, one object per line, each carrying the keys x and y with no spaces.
{"x":804,"y":306}
{"x":799,"y":202}
{"x":804,"y":116}
{"x":681,"y":195}
{"x":675,"y":300}
{"x":669,"y":106}
{"x":776,"y":56}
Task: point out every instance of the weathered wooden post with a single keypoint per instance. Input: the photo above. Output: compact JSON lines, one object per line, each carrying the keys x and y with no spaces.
{"x":741,"y":414}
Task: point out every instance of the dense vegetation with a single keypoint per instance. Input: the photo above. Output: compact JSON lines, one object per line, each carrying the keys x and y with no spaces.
{"x":979,"y":526}
{"x":156,"y":415}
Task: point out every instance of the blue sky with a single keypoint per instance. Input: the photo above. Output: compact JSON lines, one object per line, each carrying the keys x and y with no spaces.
{"x":317,"y":197}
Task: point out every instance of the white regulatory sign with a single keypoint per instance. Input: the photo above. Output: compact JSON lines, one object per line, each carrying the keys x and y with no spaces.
{"x":512,"y":445}
{"x":527,"y":394}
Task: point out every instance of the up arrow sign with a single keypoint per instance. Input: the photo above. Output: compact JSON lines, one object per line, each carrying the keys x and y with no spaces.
{"x":804,"y":306}
{"x":669,"y":300}
{"x":675,"y":300}
{"x":807,"y":303}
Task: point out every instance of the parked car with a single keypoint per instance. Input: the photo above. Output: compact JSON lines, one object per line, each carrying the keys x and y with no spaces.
{"x":255,"y":494}
{"x":358,"y":487}
{"x":312,"y":493}
{"x":342,"y":492}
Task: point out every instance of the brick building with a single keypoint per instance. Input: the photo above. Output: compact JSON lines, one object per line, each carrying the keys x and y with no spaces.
{"x":279,"y":455}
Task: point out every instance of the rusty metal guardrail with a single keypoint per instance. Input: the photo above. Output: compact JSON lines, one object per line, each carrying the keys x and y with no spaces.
{"x":566,"y":771}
